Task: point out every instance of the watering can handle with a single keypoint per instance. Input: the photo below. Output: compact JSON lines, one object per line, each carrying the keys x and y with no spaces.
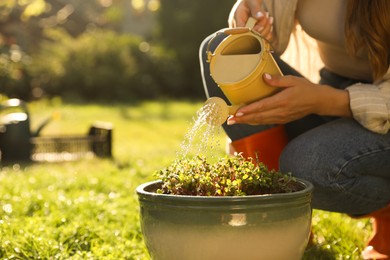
{"x":251,"y":22}
{"x":231,"y":31}
{"x":248,"y":27}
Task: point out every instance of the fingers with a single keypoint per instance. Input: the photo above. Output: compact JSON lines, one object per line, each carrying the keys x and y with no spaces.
{"x":272,"y":116}
{"x":266,"y":104}
{"x":255,"y":9}
{"x":264,"y":26}
{"x":283,"y":81}
{"x":239,"y":14}
{"x":243,"y":9}
{"x":293,"y":102}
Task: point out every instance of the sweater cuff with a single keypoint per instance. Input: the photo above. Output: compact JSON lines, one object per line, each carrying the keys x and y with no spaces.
{"x":369,"y":107}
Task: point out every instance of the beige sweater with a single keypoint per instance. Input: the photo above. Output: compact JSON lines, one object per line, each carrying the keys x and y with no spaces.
{"x":370,"y":103}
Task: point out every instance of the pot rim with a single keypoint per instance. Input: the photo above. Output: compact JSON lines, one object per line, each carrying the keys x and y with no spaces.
{"x":142,"y":192}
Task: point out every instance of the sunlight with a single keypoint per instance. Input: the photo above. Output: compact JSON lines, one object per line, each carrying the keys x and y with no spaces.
{"x":138,"y":5}
{"x":154,"y":5}
{"x":106,"y":3}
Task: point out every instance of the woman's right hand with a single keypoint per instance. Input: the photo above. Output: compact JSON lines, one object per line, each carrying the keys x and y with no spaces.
{"x":243,"y":9}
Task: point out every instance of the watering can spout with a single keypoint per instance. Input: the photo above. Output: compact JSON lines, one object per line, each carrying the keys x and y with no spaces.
{"x":217,"y":111}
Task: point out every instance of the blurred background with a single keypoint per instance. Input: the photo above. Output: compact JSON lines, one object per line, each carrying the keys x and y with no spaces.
{"x":105,"y":50}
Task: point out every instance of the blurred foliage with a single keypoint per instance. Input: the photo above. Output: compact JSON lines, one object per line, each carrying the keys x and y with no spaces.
{"x":14,"y":77}
{"x":104,"y":65}
{"x":28,"y":8}
{"x":184,"y":25}
{"x":55,"y":47}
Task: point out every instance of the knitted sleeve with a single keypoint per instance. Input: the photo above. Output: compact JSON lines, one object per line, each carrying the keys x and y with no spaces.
{"x":284,"y":13}
{"x":370,"y":105}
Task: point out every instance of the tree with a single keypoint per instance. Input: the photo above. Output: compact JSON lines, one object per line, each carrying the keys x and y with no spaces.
{"x":183,"y":25}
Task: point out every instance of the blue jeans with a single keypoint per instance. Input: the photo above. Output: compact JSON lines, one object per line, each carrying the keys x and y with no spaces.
{"x":348,"y":165}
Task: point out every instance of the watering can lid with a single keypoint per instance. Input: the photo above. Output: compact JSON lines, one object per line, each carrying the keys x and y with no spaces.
{"x":238,"y":55}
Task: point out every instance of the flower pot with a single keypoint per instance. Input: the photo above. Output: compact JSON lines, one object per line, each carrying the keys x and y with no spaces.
{"x":274,"y":226}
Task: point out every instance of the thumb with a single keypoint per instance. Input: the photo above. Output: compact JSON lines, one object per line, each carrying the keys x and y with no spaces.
{"x":282,"y":81}
{"x":255,"y":8}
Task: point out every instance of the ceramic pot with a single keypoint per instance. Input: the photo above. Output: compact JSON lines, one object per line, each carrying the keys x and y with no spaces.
{"x":275,"y":226}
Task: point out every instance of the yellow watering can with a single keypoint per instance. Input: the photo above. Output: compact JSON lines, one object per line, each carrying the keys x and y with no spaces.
{"x":237,"y":66}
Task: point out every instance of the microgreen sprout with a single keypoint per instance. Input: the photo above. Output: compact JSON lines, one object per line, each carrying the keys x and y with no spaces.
{"x":229,"y":176}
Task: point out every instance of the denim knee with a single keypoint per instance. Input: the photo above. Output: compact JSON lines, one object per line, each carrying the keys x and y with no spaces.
{"x":305,"y":160}
{"x":350,"y":175}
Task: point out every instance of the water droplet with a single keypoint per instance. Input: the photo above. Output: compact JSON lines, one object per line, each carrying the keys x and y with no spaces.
{"x":202,"y":136}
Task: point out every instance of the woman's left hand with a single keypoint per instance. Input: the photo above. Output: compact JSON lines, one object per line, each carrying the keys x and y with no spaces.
{"x":243,"y":9}
{"x":299,"y":97}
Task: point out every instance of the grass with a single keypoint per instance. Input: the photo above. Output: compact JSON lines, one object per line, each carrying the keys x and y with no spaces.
{"x":88,"y":209}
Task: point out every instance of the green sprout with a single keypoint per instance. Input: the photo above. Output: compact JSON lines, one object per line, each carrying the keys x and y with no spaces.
{"x":229,"y":176}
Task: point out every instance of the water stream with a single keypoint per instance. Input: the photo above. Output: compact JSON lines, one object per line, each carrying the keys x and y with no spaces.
{"x":202,"y":136}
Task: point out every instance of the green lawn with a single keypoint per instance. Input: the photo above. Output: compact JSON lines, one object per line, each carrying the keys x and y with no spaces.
{"x":88,"y":209}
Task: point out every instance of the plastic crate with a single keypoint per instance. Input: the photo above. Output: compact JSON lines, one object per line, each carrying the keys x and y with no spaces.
{"x":98,"y":143}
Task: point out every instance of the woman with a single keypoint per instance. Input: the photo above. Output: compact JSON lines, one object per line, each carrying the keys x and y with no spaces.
{"x":339,"y":128}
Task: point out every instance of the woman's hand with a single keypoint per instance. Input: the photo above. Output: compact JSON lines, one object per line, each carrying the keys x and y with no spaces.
{"x":298,"y":98}
{"x":243,"y":9}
